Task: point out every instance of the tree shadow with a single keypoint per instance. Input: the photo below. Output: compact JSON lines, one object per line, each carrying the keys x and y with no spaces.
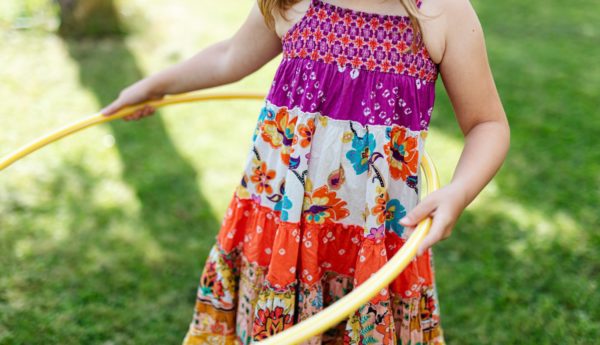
{"x":102,"y":276}
{"x":174,"y":211}
{"x":172,"y":206}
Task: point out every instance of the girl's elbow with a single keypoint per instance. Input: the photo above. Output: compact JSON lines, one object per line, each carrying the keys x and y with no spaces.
{"x":505,"y":130}
{"x":506,"y":127}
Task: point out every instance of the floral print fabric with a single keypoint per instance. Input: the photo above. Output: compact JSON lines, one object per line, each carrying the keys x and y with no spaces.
{"x":332,"y":166}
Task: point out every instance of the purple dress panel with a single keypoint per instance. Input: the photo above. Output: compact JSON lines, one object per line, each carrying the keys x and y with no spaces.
{"x":345,"y":93}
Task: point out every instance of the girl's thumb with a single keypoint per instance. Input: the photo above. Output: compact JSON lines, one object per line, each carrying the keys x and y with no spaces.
{"x":111,"y":108}
{"x":416,"y":214}
{"x":107,"y":111}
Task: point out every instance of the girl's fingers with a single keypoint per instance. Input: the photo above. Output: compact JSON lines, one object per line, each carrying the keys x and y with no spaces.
{"x":441,"y":228}
{"x":133,"y":116}
{"x":142,"y":113}
{"x":138,"y":114}
{"x":148,"y":111}
{"x":435,"y":234}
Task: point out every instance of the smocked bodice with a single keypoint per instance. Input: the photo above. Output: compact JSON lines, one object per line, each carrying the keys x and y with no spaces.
{"x":357,"y":39}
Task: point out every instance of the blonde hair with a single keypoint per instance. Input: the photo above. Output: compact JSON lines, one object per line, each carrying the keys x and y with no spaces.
{"x":282,"y":6}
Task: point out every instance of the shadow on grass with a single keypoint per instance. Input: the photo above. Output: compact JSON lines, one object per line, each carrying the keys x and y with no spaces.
{"x":165,"y":183}
{"x":74,"y":271}
{"x":101,"y":276}
{"x":175,"y":216}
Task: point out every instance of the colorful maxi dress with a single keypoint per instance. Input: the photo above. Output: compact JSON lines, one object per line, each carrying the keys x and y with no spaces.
{"x":332,"y":167}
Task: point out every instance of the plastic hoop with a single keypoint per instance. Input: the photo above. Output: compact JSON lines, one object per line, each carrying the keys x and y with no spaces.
{"x":329,"y":316}
{"x":100,"y":118}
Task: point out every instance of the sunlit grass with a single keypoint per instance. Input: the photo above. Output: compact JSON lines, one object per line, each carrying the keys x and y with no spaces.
{"x":103,"y":234}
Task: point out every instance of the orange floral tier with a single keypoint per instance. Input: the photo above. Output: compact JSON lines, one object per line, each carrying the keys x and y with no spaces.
{"x":263,"y":275}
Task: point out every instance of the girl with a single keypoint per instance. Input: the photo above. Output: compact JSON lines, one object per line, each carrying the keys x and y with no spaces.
{"x":330,"y":187}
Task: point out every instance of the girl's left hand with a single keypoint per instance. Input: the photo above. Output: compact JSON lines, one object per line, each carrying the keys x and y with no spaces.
{"x":444,"y":206}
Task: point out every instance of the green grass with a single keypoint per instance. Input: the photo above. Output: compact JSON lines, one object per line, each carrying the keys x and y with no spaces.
{"x":103,"y":234}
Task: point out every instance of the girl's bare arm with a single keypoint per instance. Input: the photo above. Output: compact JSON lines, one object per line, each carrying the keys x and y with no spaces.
{"x":227,"y":61}
{"x":469,"y":83}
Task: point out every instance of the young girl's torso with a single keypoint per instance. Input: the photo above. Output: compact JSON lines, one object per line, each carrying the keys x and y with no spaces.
{"x":432,"y":28}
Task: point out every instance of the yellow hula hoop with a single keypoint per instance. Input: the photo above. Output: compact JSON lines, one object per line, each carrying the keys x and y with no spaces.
{"x":329,"y":316}
{"x":99,"y":118}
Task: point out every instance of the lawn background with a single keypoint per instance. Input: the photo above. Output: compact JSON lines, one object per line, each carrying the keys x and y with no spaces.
{"x":103,"y":235}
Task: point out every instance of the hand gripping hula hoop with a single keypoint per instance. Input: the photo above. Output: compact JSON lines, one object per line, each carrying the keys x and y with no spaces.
{"x":329,"y":316}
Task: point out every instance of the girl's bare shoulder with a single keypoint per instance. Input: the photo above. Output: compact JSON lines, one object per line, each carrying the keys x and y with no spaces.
{"x":447,"y":18}
{"x":293,"y":15}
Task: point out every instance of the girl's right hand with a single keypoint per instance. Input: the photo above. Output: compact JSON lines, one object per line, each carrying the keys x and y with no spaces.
{"x":134,"y":94}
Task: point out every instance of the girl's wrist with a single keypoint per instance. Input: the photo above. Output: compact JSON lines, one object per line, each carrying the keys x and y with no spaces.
{"x":460,"y":192}
{"x":157,"y":85}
